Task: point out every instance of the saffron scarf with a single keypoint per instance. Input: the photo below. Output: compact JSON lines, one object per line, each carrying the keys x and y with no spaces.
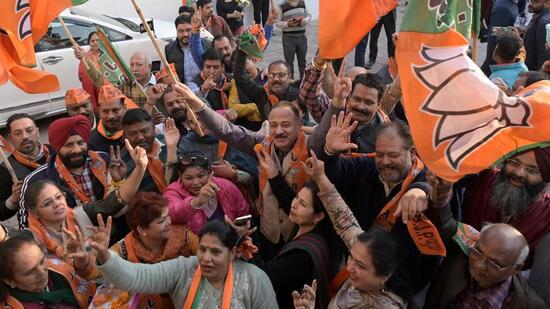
{"x":422,"y":230}
{"x":298,"y":154}
{"x":271,"y":97}
{"x":155,"y":168}
{"x":108,"y":135}
{"x":41,"y":232}
{"x":21,"y":158}
{"x":222,"y":149}
{"x":195,"y":285}
{"x":99,"y":169}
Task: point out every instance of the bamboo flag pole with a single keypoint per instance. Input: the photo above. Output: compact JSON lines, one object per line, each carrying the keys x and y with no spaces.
{"x":474,"y":47}
{"x":8,"y":165}
{"x":163,"y":58}
{"x":73,"y":42}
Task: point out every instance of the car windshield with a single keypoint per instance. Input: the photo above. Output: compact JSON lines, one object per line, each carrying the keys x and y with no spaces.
{"x":103,"y":18}
{"x":128,"y":23}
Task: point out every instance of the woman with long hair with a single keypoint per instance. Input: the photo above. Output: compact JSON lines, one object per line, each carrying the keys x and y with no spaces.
{"x":92,"y":57}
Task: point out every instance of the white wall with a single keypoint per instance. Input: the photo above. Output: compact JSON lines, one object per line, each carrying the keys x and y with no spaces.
{"x":162,"y":9}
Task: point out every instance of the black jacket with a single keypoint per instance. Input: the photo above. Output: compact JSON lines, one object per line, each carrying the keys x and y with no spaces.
{"x":174,"y":54}
{"x":534,"y":40}
{"x":99,"y":143}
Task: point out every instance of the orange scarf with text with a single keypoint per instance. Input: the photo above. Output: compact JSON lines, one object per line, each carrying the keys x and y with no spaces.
{"x":272,"y":98}
{"x":298,"y":154}
{"x":98,"y":167}
{"x":219,"y":89}
{"x":195,"y":285}
{"x":113,"y":137}
{"x":21,"y":158}
{"x":155,"y":169}
{"x":41,"y":232}
{"x":422,"y":230}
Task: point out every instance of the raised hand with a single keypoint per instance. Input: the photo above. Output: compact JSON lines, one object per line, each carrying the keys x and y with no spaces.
{"x":196,"y":20}
{"x":224,"y":169}
{"x":155,"y":92}
{"x":342,"y":87}
{"x":208,"y":84}
{"x":76,"y":248}
{"x":266,"y":162}
{"x":117,"y":167}
{"x":171,"y":133}
{"x":245,"y":229}
{"x":392,"y":67}
{"x":79,"y":52}
{"x":100,"y":239}
{"x":16,"y":192}
{"x":440,"y":189}
{"x":138,"y":154}
{"x":339,"y":135}
{"x":412,"y":204}
{"x":305,"y":299}
{"x":272,"y":17}
{"x":187,"y":94}
{"x":207,"y":192}
{"x":314,"y":167}
{"x":158,"y":118}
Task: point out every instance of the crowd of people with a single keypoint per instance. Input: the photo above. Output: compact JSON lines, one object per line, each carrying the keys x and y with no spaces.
{"x":229,"y":185}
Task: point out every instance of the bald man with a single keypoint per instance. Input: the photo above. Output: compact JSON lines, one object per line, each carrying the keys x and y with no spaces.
{"x":482,"y":273}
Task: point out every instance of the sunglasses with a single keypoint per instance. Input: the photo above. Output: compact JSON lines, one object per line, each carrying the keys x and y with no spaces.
{"x":193,"y":160}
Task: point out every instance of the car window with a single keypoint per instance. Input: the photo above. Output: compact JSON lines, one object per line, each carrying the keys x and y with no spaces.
{"x":56,"y":38}
{"x":115,"y":36}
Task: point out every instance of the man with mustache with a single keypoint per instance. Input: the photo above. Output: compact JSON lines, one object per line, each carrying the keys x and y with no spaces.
{"x":112,"y":108}
{"x":27,"y":155}
{"x":77,"y":102}
{"x":212,"y":83}
{"x":370,"y":186}
{"x":179,"y":53}
{"x":83,"y":175}
{"x":283,"y":145}
{"x":481,"y":270}
{"x":513,"y":195}
{"x":139,"y":130}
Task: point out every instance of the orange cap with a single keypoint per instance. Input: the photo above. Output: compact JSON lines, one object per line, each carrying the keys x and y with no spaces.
{"x":164,"y":72}
{"x":108,"y":93}
{"x":75,"y":96}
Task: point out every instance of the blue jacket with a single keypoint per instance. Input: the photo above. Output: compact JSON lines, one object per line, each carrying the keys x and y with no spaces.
{"x":507,"y":72}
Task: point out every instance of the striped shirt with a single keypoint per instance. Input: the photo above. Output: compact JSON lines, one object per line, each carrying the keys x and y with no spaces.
{"x":293,"y":9}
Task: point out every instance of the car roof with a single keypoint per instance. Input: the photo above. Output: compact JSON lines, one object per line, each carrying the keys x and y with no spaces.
{"x":80,"y":13}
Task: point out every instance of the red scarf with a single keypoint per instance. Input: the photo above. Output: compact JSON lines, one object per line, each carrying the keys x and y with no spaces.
{"x":101,"y":130}
{"x":155,"y":168}
{"x":98,"y":168}
{"x":21,"y":158}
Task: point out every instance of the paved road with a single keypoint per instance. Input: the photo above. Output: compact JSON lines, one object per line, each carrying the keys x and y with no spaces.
{"x":275,"y":52}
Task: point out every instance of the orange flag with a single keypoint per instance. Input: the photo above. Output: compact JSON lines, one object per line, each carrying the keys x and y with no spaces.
{"x":342,"y":24}
{"x":461,"y":122}
{"x":23,"y":24}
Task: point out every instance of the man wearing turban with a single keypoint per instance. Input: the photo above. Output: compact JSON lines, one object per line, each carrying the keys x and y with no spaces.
{"x":513,"y":194}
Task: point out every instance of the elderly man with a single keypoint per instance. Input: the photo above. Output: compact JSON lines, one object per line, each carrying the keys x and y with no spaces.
{"x":28,"y":154}
{"x":83,"y":175}
{"x":112,"y":107}
{"x":77,"y":102}
{"x":513,"y":195}
{"x":394,"y":173}
{"x":480,"y":270}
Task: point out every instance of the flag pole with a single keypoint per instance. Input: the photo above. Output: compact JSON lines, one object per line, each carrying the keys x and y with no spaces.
{"x":162,"y":57}
{"x":8,"y":165}
{"x":474,"y":47}
{"x":142,"y":91}
{"x":73,"y":42}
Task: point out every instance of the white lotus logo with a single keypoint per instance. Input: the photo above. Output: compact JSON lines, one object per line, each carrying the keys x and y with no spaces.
{"x":472,"y":110}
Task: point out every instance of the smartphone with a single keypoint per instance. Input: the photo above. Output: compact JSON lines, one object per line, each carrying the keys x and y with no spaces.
{"x":240,"y":221}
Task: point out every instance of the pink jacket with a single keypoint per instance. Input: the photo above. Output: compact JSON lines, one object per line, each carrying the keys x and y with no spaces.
{"x":179,"y":204}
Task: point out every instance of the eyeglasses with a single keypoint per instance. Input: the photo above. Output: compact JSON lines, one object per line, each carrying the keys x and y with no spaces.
{"x":533,"y":171}
{"x":193,"y":160}
{"x":476,"y":255}
{"x":51,"y":201}
{"x":279,"y":75}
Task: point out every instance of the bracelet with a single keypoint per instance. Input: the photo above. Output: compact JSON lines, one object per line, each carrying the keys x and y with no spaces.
{"x":195,"y":208}
{"x":118,"y":183}
{"x":317,"y":66}
{"x":328,"y":152}
{"x":118,"y":197}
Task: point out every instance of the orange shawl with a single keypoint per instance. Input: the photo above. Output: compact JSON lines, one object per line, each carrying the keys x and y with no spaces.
{"x":155,"y":168}
{"x":195,"y":284}
{"x":101,"y":130}
{"x":21,"y":158}
{"x":272,"y":98}
{"x":41,"y":232}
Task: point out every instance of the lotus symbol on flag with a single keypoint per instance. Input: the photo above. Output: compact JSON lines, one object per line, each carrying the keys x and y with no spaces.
{"x":470,"y":108}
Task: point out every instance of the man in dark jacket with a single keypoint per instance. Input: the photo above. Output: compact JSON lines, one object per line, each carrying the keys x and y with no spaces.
{"x":28,"y":154}
{"x":482,"y":273}
{"x":535,"y":34}
{"x":212,"y":83}
{"x":369,"y":185}
{"x":179,"y":51}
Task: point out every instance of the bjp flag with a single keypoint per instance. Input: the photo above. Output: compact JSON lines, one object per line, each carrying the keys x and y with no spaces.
{"x":461,"y":122}
{"x":343,"y":23}
{"x":22,"y":25}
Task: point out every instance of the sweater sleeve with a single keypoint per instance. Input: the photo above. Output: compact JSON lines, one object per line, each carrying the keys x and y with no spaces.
{"x":243,"y":81}
{"x":262,"y":294}
{"x":179,"y":207}
{"x":240,"y":137}
{"x":195,"y":43}
{"x":342,"y":217}
{"x":283,"y":192}
{"x":310,"y":92}
{"x":157,"y":278}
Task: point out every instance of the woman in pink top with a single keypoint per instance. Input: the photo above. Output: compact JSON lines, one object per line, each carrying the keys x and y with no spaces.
{"x":197,"y":197}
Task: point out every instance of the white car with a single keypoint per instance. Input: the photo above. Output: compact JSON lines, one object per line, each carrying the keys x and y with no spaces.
{"x":55,"y":55}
